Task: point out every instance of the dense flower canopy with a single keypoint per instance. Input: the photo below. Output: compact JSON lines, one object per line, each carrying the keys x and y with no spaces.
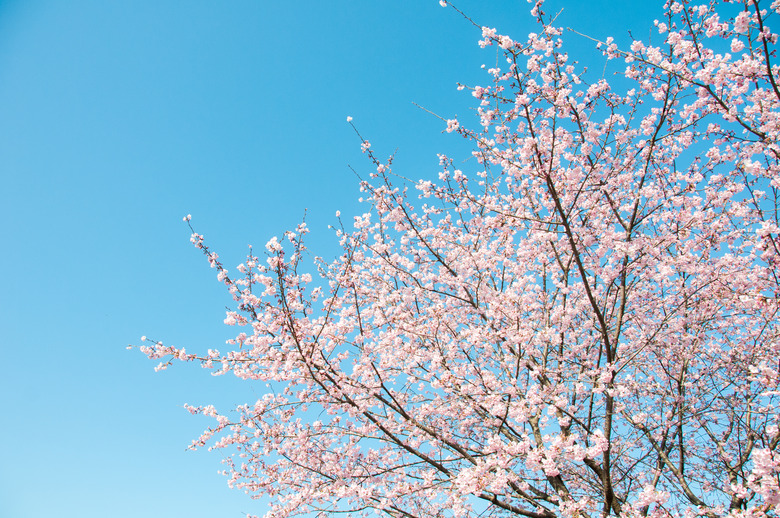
{"x":583,"y":324}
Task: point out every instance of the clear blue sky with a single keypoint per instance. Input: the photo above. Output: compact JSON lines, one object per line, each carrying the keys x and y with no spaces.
{"x":118,"y":118}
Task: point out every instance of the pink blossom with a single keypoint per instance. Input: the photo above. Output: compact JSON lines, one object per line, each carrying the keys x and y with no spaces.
{"x":742,"y":22}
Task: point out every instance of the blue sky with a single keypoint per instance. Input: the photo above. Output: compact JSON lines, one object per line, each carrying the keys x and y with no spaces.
{"x":117,"y":119}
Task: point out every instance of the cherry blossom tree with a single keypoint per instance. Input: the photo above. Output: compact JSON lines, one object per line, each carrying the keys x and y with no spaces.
{"x":584,"y":323}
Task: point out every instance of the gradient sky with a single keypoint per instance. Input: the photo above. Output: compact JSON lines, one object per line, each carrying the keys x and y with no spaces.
{"x":117,"y":118}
